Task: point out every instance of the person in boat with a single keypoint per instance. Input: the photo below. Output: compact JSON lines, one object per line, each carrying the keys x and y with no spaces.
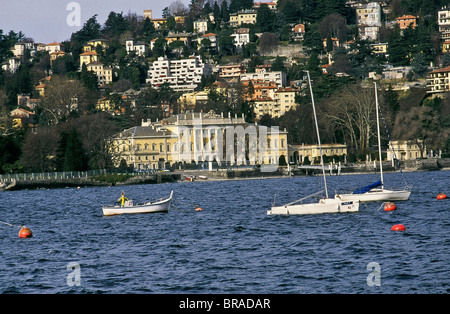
{"x":122,"y":199}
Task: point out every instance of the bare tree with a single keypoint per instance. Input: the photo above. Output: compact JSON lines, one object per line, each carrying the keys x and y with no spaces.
{"x":333,"y":25}
{"x":62,"y":97}
{"x":420,"y":125}
{"x":178,"y":8}
{"x":353,"y":110}
{"x":268,"y":42}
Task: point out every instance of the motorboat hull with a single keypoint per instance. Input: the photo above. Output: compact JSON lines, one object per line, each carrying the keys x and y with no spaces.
{"x":150,"y":207}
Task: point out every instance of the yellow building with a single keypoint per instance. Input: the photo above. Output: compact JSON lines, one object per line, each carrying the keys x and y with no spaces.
{"x":92,"y":45}
{"x":159,"y":23}
{"x":200,"y":137}
{"x":438,"y":81}
{"x":188,"y":101}
{"x":379,"y":48}
{"x":298,"y":153}
{"x":55,"y":55}
{"x":183,"y":37}
{"x":243,"y":17}
{"x":104,"y":74}
{"x":88,"y":57}
{"x":284,"y":100}
{"x":406,"y":150}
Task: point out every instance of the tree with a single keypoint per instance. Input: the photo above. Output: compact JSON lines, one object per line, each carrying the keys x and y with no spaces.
{"x":10,"y":152}
{"x":236,"y":5}
{"x":397,"y":48}
{"x":351,"y":110}
{"x":64,"y":96}
{"x":115,"y":25}
{"x":265,"y":18}
{"x":268,"y":42}
{"x":313,"y":64}
{"x":333,"y":25}
{"x":38,"y":150}
{"x":88,"y":78}
{"x":148,"y":29}
{"x":95,"y":130}
{"x":90,"y":30}
{"x":64,"y":65}
{"x":70,"y":155}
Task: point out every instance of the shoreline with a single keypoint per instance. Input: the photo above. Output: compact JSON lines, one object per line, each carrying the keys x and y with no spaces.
{"x":232,"y":174}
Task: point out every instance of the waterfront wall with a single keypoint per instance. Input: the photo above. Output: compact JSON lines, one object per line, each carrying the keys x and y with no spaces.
{"x":81,"y":179}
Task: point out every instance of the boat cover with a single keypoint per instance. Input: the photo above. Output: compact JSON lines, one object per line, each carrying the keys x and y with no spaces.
{"x":367,"y":188}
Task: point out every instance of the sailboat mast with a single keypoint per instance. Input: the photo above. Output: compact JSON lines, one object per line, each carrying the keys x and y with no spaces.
{"x":318,"y":136}
{"x":379,"y":140}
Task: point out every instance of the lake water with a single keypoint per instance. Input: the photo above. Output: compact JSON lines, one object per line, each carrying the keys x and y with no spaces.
{"x":231,"y":246}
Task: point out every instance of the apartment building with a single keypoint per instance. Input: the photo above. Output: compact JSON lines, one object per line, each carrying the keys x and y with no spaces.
{"x":181,"y":75}
{"x":278,"y":77}
{"x":199,"y":137}
{"x":104,"y":73}
{"x":231,"y":71}
{"x":444,"y":23}
{"x":273,"y":101}
{"x":368,"y":18}
{"x":284,"y":100}
{"x":438,"y":80}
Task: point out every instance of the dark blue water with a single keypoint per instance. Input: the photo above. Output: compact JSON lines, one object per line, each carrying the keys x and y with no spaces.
{"x":231,"y":246}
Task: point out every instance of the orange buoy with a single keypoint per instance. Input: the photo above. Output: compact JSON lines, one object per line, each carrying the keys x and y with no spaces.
{"x":441,"y":196}
{"x":398,"y":227}
{"x":25,"y":233}
{"x":198,"y":209}
{"x":389,"y":206}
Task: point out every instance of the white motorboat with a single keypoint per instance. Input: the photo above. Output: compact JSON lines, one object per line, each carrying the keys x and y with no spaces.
{"x":324,"y":205}
{"x":376,"y":191}
{"x":160,"y":205}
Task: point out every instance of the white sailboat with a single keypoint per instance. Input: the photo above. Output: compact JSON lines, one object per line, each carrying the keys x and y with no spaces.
{"x":324,"y":205}
{"x":376,"y":191}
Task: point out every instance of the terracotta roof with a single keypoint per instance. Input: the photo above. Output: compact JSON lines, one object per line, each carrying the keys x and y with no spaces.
{"x":406,"y":17}
{"x":441,"y":70}
{"x":88,"y":53}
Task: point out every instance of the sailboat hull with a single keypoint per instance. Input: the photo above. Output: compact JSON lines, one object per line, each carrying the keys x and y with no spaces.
{"x":376,"y":195}
{"x":324,"y":206}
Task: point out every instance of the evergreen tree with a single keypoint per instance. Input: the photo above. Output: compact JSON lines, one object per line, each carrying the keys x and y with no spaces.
{"x":313,"y":64}
{"x":90,"y":30}
{"x":148,"y":29}
{"x":70,"y":153}
{"x":397,"y":48}
{"x":88,"y":78}
{"x":265,"y":18}
{"x":115,"y":25}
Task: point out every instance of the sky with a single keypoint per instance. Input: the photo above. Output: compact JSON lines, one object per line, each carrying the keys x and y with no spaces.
{"x":47,"y":21}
